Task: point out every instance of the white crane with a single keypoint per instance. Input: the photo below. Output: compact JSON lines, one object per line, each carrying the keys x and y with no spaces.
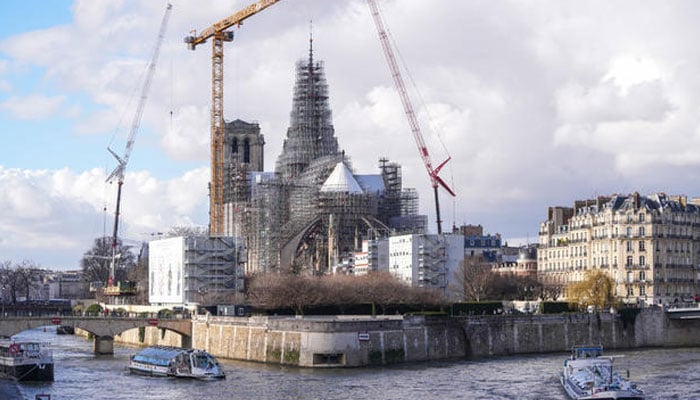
{"x":118,"y":173}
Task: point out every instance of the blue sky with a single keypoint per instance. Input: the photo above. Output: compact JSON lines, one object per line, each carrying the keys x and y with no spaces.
{"x":538,"y":103}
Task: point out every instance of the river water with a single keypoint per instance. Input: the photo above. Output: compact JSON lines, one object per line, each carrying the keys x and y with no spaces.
{"x":79,"y":374}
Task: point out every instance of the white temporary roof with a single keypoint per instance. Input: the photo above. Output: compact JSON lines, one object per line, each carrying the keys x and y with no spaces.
{"x":341,"y":180}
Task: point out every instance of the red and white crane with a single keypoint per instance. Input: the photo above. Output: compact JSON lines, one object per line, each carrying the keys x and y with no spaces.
{"x":435,"y":179}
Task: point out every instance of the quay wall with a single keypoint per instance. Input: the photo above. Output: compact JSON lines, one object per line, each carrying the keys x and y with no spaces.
{"x":361,"y":340}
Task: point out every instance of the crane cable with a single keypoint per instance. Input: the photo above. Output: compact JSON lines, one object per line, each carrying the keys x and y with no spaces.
{"x":434,"y":127}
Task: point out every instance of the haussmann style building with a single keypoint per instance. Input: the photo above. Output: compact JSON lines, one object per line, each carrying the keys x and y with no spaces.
{"x":649,"y":245}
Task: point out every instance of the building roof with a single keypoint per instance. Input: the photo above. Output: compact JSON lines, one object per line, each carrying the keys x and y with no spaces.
{"x":341,"y":180}
{"x":371,"y":183}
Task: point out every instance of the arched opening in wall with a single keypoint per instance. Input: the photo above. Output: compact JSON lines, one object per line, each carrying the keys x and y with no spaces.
{"x":246,"y":150}
{"x":234,"y":146}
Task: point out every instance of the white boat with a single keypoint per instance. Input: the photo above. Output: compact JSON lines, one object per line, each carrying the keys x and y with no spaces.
{"x":25,"y":361}
{"x":176,"y":362}
{"x":588,"y":375}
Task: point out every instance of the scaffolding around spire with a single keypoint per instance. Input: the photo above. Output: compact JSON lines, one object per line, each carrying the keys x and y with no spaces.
{"x":314,"y":211}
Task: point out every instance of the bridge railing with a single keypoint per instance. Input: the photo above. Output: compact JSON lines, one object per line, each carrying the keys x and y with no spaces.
{"x":108,"y":314}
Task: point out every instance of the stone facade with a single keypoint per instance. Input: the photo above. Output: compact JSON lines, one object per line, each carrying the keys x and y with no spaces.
{"x":322,"y":342}
{"x":649,"y":245}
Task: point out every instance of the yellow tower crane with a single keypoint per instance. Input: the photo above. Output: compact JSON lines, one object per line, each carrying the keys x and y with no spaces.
{"x":219,"y":33}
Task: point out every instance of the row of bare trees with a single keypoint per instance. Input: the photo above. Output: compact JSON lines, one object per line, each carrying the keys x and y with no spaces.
{"x":475,"y":280}
{"x":16,"y":280}
{"x":273,"y":291}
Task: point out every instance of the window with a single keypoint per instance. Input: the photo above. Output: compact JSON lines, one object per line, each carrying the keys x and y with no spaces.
{"x":642,"y":261}
{"x":642,"y":290}
{"x":642,"y":276}
{"x":641,"y":231}
{"x":629,"y":261}
{"x":246,"y":150}
{"x":629,"y":246}
{"x":629,"y":231}
{"x":641,"y":245}
{"x":630,"y":291}
{"x":642,"y":217}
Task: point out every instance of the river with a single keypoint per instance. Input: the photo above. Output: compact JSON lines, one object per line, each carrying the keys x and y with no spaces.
{"x":79,"y":374}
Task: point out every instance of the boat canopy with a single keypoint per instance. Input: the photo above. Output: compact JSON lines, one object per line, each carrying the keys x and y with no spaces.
{"x":587,"y":351}
{"x":157,"y":355}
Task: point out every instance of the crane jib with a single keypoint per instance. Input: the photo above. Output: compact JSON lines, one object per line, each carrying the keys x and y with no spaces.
{"x":435,"y":180}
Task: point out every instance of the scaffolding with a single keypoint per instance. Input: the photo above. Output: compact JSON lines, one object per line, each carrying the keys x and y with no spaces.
{"x":296,"y":219}
{"x":310,"y":134}
{"x":195,"y":269}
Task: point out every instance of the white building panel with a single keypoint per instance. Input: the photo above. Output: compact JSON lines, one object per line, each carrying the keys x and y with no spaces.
{"x":426,"y":260}
{"x":166,"y":266}
{"x":403,"y":258}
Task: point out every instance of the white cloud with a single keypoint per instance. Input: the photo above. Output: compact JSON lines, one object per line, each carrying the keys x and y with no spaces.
{"x":538,"y":103}
{"x":34,"y":106}
{"x":64,"y":210}
{"x":628,"y":71}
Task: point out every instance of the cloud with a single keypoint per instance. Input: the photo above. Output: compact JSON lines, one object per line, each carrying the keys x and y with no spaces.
{"x":628,"y":71}
{"x":64,"y":211}
{"x":537,"y":103}
{"x":189,"y":136}
{"x":35,"y":106}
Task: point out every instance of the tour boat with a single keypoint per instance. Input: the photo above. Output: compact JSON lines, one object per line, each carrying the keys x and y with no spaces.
{"x":25,"y":361}
{"x":589,"y":375}
{"x":176,"y":362}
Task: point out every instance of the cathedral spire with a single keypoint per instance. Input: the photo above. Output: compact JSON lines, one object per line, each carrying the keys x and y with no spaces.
{"x":311,"y":44}
{"x":310,"y":134}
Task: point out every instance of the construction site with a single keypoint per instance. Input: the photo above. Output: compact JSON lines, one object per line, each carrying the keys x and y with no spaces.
{"x":314,"y":212}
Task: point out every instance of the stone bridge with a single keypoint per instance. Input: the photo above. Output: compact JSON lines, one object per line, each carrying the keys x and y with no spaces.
{"x":103,"y":329}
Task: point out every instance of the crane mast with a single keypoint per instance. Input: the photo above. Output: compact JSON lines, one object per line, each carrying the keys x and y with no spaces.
{"x":435,"y":179}
{"x":219,"y":34}
{"x":118,"y":172}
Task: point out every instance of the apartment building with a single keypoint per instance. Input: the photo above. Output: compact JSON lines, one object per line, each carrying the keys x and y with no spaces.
{"x":649,"y":245}
{"x":189,"y":270}
{"x":426,"y":260}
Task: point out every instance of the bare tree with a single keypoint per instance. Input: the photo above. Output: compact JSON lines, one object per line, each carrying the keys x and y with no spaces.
{"x":139,"y":274}
{"x":96,"y":262}
{"x":473,"y":279}
{"x":550,"y":292}
{"x":18,"y":279}
{"x":8,"y":281}
{"x":299,"y":291}
{"x":176,"y":231}
{"x":25,"y":272}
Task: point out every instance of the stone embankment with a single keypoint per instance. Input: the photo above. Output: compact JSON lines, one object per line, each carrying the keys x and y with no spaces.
{"x":347,"y":341}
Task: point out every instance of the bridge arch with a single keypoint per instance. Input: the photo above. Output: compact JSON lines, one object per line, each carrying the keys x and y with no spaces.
{"x":102,"y":328}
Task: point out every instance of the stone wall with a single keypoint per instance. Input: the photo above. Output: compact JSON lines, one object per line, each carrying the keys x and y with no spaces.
{"x":360,"y":341}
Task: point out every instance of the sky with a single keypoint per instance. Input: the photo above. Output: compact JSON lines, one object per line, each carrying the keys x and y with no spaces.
{"x":536,"y":103}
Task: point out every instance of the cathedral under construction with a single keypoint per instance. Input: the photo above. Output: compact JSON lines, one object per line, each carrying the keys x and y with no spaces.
{"x":313,"y":212}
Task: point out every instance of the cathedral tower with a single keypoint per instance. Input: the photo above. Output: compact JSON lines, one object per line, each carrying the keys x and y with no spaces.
{"x":310,"y":134}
